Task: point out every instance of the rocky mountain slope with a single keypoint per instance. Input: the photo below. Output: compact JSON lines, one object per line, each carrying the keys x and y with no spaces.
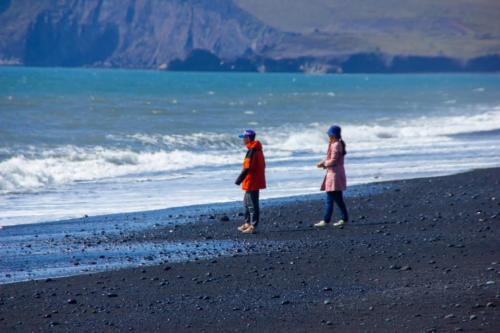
{"x":457,"y":28}
{"x":126,"y":33}
{"x":238,"y":35}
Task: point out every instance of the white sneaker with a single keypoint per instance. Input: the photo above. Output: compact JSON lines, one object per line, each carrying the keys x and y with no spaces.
{"x":249,"y":230}
{"x":321,"y":224}
{"x":244,"y":226}
{"x":339,"y":223}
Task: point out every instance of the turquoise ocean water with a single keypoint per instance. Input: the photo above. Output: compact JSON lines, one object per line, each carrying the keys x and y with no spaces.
{"x":89,"y":141}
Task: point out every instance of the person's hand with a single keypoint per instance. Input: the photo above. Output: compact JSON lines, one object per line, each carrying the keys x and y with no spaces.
{"x":320,"y":165}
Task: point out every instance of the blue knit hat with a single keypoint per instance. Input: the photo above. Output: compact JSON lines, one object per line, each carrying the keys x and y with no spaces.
{"x":335,"y":131}
{"x":248,"y":134}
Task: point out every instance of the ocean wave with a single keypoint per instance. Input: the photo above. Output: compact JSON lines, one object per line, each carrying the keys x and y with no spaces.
{"x":69,"y":164}
{"x":409,"y":133}
{"x":312,"y":138}
{"x":193,"y":141}
{"x":36,"y":168}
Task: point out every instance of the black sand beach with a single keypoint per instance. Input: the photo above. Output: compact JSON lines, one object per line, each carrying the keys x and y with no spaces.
{"x":420,"y":256}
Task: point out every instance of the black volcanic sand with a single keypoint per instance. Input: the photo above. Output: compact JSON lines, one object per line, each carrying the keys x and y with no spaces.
{"x":423,"y":256}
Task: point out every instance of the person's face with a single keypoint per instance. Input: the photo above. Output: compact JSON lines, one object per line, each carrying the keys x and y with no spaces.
{"x":332,"y":139}
{"x":246,"y":140}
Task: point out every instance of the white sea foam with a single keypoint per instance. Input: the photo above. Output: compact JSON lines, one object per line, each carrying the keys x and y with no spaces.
{"x":406,"y":133}
{"x":193,"y":141}
{"x":72,"y":164}
{"x":134,"y":148}
{"x":41,"y":169}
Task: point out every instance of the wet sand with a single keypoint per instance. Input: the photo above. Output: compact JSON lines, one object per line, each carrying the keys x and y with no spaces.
{"x":418,"y":256}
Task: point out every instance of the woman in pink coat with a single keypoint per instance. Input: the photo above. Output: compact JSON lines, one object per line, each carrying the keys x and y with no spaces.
{"x":334,"y":182}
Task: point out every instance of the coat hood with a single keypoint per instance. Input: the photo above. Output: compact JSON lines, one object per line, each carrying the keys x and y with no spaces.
{"x":256,"y":145}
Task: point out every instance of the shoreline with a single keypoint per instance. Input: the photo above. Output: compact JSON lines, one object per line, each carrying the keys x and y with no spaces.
{"x":358,"y":189}
{"x":353,"y":190}
{"x":196,"y":72}
{"x":24,"y":242}
{"x":418,"y":255}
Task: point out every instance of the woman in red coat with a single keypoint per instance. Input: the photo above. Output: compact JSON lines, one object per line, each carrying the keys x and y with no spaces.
{"x":334,"y":182}
{"x":252,"y":179}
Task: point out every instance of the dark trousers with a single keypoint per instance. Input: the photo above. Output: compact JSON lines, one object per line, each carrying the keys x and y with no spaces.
{"x":251,"y":203}
{"x":338,"y":198}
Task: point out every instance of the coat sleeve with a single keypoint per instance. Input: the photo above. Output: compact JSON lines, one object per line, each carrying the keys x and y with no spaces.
{"x":247,"y":163}
{"x":334,"y":157}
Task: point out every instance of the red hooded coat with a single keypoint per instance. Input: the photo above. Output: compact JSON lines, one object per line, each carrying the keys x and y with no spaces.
{"x":253,"y":176}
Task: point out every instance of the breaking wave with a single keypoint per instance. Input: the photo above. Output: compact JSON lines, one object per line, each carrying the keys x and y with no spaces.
{"x":31,"y":169}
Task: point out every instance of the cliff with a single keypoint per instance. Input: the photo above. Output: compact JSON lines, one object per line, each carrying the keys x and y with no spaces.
{"x":211,"y":35}
{"x":126,"y":33}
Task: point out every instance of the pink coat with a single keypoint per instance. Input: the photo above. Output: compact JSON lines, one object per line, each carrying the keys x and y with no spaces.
{"x":335,"y":179}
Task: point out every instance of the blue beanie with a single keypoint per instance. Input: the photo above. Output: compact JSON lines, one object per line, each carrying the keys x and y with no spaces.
{"x":335,"y":131}
{"x":248,"y":134}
